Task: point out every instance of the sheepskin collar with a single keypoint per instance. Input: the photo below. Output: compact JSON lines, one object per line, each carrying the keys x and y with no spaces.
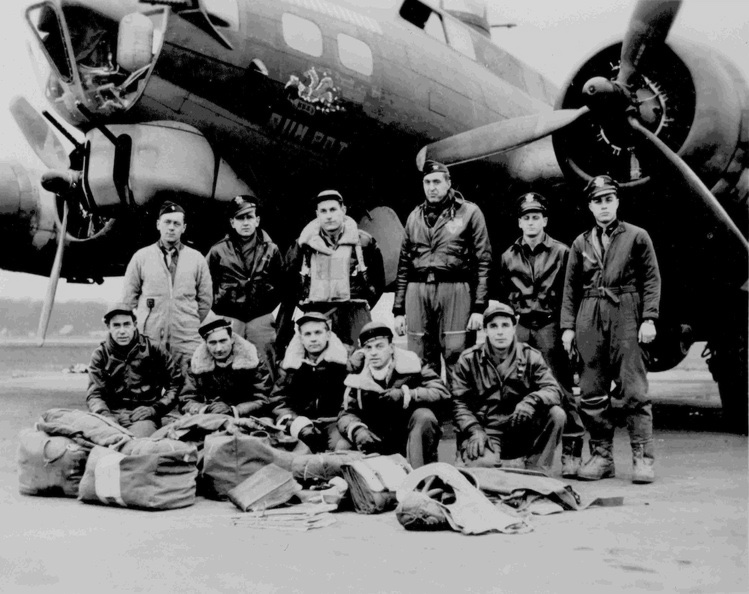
{"x":310,"y":236}
{"x":336,"y":352}
{"x":243,"y":351}
{"x":405,"y":363}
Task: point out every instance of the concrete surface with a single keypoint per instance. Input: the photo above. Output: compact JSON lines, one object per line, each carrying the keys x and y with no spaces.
{"x":685,"y":533}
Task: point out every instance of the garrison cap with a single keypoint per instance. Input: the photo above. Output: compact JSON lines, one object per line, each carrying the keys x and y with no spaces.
{"x":500,"y":309}
{"x":374,"y":330}
{"x":213,"y":323}
{"x":170,"y":207}
{"x":600,"y":185}
{"x":432,"y":166}
{"x":328,"y":195}
{"x":531,"y":202}
{"x":118,"y":309}
{"x":312,"y":316}
{"x":242,"y":204}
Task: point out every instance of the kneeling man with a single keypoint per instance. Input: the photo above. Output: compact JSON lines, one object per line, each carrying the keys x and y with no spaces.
{"x":308,"y":394}
{"x":226,"y":374}
{"x":392,"y":405}
{"x":506,"y":400}
{"x":131,"y":380}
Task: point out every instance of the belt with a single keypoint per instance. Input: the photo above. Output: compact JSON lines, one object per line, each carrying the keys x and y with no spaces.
{"x":439,"y":276}
{"x":610,"y":292}
{"x":535,"y":318}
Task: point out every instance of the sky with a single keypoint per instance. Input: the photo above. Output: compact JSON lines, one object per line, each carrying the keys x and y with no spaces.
{"x":553,"y":36}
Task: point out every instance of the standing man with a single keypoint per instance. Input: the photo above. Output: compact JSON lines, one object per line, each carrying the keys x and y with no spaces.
{"x":392,"y":405}
{"x":443,"y":271}
{"x":131,"y":380}
{"x":226,"y":374}
{"x":170,"y":285}
{"x":247,"y":271}
{"x":308,"y":394}
{"x":506,"y":400}
{"x":334,"y":268}
{"x":531,"y":281}
{"x":611,"y":296}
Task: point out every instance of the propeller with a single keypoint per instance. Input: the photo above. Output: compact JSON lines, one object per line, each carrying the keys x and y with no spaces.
{"x":497,"y":137}
{"x":648,"y":27}
{"x":694,"y":183}
{"x":650,"y":23}
{"x":38,"y":134}
{"x":50,"y":151}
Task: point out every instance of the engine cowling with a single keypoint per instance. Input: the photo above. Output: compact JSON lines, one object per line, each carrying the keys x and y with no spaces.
{"x":692,"y":98}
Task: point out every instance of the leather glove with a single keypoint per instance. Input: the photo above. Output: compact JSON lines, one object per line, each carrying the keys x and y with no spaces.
{"x":392,"y":395}
{"x":314,"y":438}
{"x":524,"y":412}
{"x":219,"y":408}
{"x":366,"y":441}
{"x":123,"y":418}
{"x":107,"y":414}
{"x":143,"y":413}
{"x":477,"y":443}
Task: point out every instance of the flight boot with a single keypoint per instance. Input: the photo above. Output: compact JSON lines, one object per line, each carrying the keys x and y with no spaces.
{"x":642,"y":463}
{"x":600,"y":465}
{"x":572,"y":451}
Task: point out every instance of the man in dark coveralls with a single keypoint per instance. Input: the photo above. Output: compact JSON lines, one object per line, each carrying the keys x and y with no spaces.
{"x":531,"y":281}
{"x":610,"y":305}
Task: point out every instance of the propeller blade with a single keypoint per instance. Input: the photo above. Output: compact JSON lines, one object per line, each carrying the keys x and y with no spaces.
{"x":49,"y":298}
{"x":497,"y":137}
{"x":38,"y":134}
{"x":693,"y":182}
{"x":648,"y":27}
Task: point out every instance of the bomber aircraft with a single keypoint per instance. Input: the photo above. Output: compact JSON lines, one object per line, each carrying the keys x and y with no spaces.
{"x":200,"y":100}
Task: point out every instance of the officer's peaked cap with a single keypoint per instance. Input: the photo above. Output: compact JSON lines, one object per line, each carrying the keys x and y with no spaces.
{"x":600,"y":185}
{"x":118,"y":309}
{"x":531,"y":202}
{"x":432,"y":166}
{"x":374,"y":330}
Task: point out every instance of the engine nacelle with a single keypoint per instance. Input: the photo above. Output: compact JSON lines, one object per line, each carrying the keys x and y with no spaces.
{"x":692,"y":98}
{"x":154,"y":158}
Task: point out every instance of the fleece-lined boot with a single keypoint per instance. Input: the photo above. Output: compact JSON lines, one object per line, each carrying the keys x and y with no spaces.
{"x":642,"y":464}
{"x":572,"y":451}
{"x":600,"y":465}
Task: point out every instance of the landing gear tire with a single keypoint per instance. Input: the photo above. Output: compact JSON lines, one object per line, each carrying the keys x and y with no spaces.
{"x":729,"y":365}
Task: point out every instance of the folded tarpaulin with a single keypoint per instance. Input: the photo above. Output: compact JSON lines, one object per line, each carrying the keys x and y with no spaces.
{"x":269,"y":487}
{"x":49,"y":465}
{"x":83,"y":427}
{"x":533,"y":491}
{"x":150,"y":481}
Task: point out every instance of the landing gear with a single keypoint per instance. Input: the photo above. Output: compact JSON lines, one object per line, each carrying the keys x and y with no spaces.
{"x":729,"y":364}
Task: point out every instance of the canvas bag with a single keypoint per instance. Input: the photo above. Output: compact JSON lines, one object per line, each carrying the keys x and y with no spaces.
{"x":230,"y":459}
{"x":149,"y":481}
{"x":49,"y":465}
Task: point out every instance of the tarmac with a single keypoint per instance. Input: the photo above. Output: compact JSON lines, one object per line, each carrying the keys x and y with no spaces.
{"x":687,"y":532}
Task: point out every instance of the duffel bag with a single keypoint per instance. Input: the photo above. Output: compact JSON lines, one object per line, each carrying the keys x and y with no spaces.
{"x":148,"y":481}
{"x":147,"y":445}
{"x":83,"y":427}
{"x":230,"y":459}
{"x":49,"y":465}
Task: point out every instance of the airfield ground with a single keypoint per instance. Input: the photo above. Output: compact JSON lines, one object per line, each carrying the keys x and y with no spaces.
{"x":685,"y":533}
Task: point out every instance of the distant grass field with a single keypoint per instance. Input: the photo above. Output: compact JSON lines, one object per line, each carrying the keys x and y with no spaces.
{"x":19,"y":360}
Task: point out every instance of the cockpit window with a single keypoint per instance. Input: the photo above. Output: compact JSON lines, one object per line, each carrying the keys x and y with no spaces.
{"x":460,"y":39}
{"x":45,"y":22}
{"x":223,"y":13}
{"x":301,"y":34}
{"x":419,"y":14}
